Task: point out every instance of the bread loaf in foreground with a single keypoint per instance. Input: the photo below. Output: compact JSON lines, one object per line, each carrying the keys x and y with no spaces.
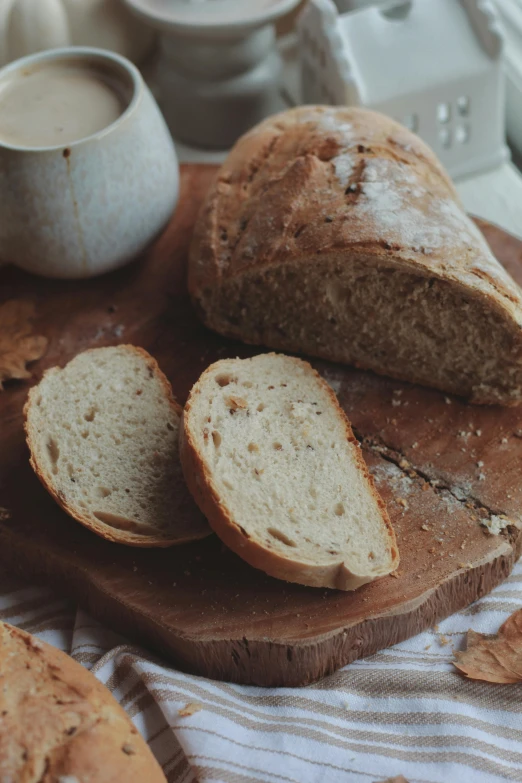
{"x":272,"y":462}
{"x":58,"y":724}
{"x":104,"y":439}
{"x":335,"y":232}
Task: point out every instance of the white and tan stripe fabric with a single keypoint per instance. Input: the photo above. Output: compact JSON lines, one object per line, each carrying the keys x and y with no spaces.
{"x":403,"y":712}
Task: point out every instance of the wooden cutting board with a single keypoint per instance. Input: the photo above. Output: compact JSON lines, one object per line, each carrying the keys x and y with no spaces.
{"x":441,"y":466}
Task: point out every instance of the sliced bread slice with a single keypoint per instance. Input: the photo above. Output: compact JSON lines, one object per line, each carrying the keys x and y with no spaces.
{"x":272,"y":462}
{"x":104,"y":439}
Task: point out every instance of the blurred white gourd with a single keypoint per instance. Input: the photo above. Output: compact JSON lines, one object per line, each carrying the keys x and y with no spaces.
{"x":33,"y":25}
{"x":28,"y":26}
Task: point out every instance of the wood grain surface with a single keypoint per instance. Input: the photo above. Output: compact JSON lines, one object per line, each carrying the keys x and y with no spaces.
{"x":440,"y":464}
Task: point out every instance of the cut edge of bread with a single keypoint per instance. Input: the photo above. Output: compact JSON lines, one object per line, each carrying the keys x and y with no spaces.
{"x":237,"y":275}
{"x":103,"y":530}
{"x":199,"y":480}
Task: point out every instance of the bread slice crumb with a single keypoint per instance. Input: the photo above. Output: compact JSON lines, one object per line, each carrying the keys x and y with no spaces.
{"x":284,"y":483}
{"x":104,"y":439}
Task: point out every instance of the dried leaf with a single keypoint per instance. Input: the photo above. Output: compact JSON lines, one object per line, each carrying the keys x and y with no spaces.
{"x":190,"y":709}
{"x":17,"y":343}
{"x":494,"y":658}
{"x":396,"y":779}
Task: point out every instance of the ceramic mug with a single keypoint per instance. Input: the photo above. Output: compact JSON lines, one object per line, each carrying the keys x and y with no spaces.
{"x":89,"y":207}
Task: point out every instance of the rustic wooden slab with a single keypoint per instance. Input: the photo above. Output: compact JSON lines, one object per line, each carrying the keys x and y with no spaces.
{"x":200,"y":605}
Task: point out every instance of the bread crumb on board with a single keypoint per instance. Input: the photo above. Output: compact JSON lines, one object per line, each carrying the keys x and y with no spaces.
{"x":495,"y":524}
{"x":190,"y":709}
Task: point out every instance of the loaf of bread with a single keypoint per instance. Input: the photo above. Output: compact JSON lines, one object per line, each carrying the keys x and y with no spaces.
{"x":58,"y":724}
{"x":335,"y":232}
{"x":104,"y":439}
{"x":271,"y":459}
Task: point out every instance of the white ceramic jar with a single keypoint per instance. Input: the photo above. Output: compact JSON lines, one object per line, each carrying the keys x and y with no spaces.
{"x":219,"y":69}
{"x":91,"y":206}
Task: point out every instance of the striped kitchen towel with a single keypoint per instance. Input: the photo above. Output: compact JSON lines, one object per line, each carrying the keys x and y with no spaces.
{"x":404,"y":711}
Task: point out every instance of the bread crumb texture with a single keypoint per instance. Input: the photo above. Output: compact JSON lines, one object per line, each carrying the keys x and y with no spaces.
{"x":58,"y":724}
{"x":104,"y":439}
{"x":287,"y":471}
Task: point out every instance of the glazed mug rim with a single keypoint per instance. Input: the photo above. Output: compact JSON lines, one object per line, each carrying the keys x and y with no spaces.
{"x":78,"y":53}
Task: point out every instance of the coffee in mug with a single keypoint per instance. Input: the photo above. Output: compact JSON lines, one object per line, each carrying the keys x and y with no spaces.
{"x":57,"y":103}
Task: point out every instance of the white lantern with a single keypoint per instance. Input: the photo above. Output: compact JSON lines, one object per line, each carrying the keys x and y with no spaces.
{"x":435,"y":66}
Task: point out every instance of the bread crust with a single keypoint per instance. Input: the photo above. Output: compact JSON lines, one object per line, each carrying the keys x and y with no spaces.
{"x":60,"y":723}
{"x":205,"y":493}
{"x":101,"y":529}
{"x":279,"y":180}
